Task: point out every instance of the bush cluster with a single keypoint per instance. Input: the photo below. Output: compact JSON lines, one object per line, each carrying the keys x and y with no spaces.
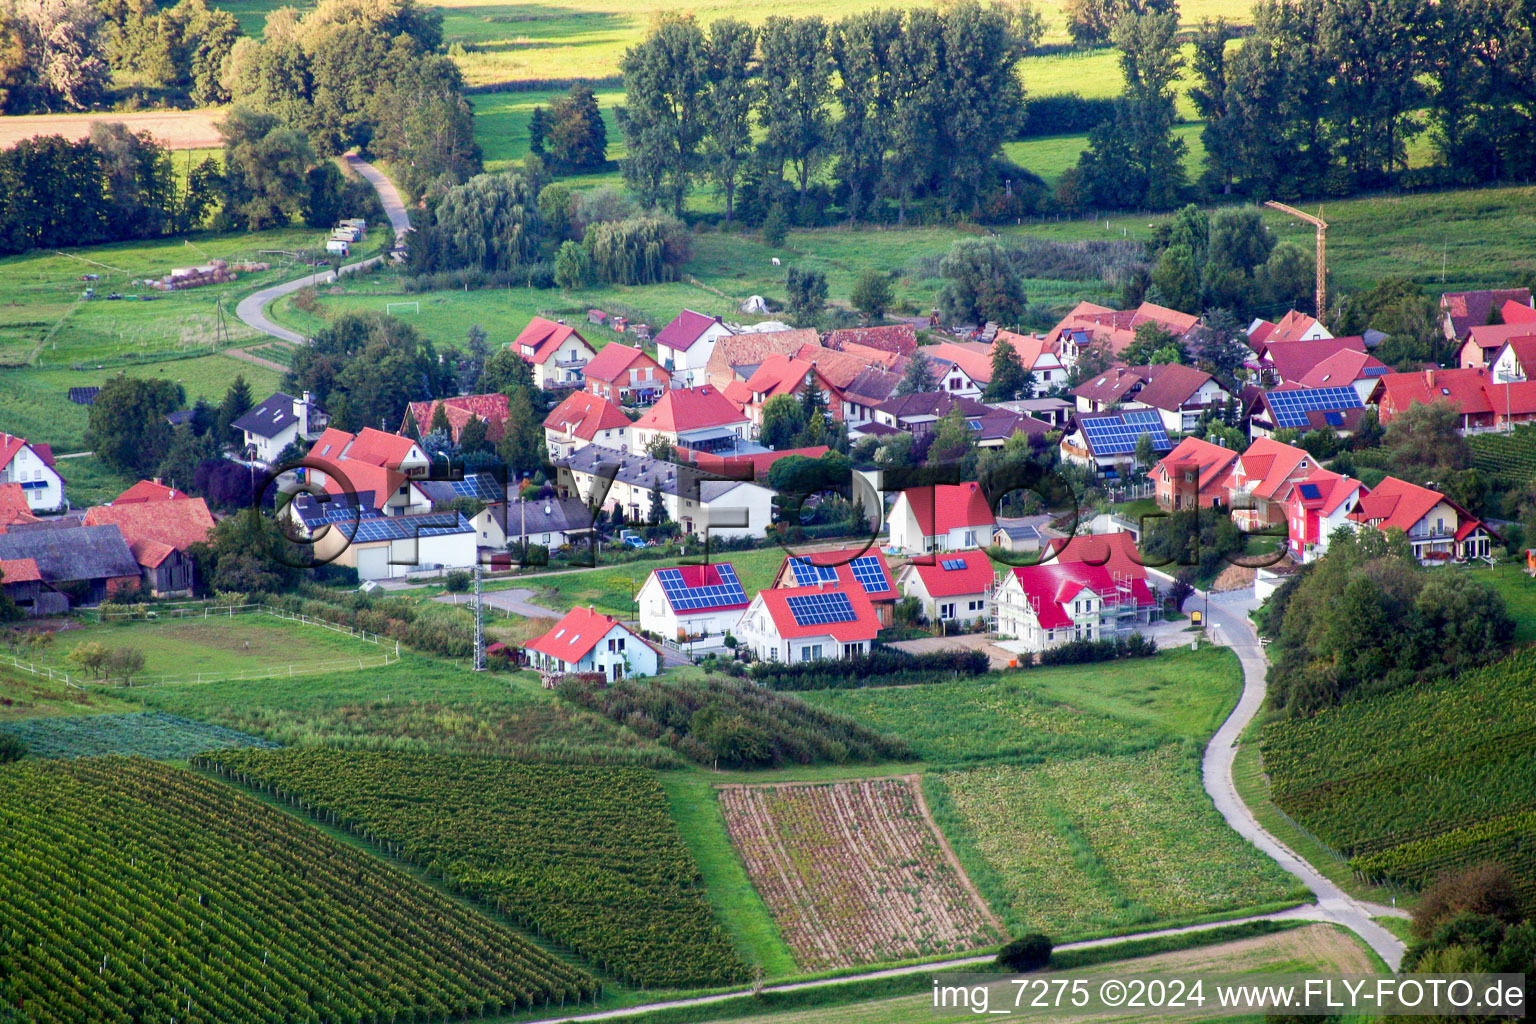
{"x":881,"y":667}
{"x":1080,"y":652}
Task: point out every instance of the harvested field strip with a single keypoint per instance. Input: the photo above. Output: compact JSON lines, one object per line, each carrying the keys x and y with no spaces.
{"x":854,"y":872}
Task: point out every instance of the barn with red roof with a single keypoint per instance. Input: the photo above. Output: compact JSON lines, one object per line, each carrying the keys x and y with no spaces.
{"x":159,"y":534}
{"x":587,"y":641}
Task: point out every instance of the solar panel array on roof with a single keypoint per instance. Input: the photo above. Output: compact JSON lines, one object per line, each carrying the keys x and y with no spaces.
{"x":820,"y":609}
{"x":1291,"y":407}
{"x":1117,"y":435}
{"x":867,"y":571}
{"x":682,"y":597}
{"x":808,"y":574}
{"x":953,"y":563}
{"x":482,"y":486}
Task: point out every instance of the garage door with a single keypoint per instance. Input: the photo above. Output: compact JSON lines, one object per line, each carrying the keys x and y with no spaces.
{"x":373,"y":563}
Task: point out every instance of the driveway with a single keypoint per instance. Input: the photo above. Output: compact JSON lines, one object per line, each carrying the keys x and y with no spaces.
{"x":514,"y":602}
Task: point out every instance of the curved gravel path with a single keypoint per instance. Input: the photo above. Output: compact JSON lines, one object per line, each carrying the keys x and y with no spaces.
{"x":252,"y":309}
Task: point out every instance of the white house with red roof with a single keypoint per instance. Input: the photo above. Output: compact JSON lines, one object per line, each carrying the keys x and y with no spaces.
{"x":1481,"y":401}
{"x":808,"y":623}
{"x":1261,"y":480}
{"x":847,"y":567}
{"x":556,"y":351}
{"x":582,"y":419}
{"x":31,"y":466}
{"x":687,"y":602}
{"x":1516,"y":360}
{"x":1294,"y":326}
{"x":1056,"y":602}
{"x":1035,"y":354}
{"x":684,"y":346}
{"x":699,"y":417}
{"x":1113,"y":329}
{"x":375,"y":464}
{"x":1191,"y":476}
{"x":1438,"y":529}
{"x":585,"y":641}
{"x":951,"y":586}
{"x":1319,"y":505}
{"x":625,"y":374}
{"x":941,"y":517}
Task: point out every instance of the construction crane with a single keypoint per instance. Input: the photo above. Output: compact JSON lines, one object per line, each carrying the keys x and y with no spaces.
{"x":1322,"y":249}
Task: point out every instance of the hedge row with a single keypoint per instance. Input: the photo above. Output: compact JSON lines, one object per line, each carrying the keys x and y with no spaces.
{"x":394,"y":617}
{"x":1080,"y":652}
{"x":882,"y":667}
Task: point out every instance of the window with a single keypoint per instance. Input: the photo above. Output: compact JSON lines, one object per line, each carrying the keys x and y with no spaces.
{"x":810,"y":652}
{"x":975,"y":606}
{"x":946,"y":611}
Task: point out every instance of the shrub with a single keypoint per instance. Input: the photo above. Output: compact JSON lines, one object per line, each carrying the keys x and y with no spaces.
{"x":12,"y":748}
{"x":1081,"y":652}
{"x":881,"y":667}
{"x":1026,"y":953}
{"x":457,"y":581}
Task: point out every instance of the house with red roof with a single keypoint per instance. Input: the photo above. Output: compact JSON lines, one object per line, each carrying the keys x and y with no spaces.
{"x":1294,"y":326}
{"x":583,"y":418}
{"x":792,"y":624}
{"x":1192,"y":475}
{"x":149,"y":490}
{"x":684,"y":346}
{"x":459,"y":410}
{"x":1112,"y":330}
{"x":1480,"y":401}
{"x":690,"y":602}
{"x":1515,"y":360}
{"x":1483,"y":342}
{"x":1116,"y":550}
{"x":556,"y":351}
{"x":950,"y":587}
{"x":699,"y":417}
{"x":1319,"y":505}
{"x":737,"y":357}
{"x":1058,"y":601}
{"x":1289,"y":362}
{"x":847,"y":567}
{"x":897,"y":339}
{"x":31,"y":466}
{"x":1462,"y":311}
{"x":782,"y":375}
{"x":1034,"y":354}
{"x":585,"y":641}
{"x":1182,"y":395}
{"x":941,"y":517}
{"x":626,"y":375}
{"x":750,"y":466}
{"x":1103,"y":392}
{"x":22,"y":581}
{"x":1292,"y":406}
{"x":377,"y":467}
{"x":1260,"y":482}
{"x":1438,"y":529}
{"x":1347,"y":366}
{"x":14,"y":507}
{"x":159,"y":534}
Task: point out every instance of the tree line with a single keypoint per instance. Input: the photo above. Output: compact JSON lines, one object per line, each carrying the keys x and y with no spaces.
{"x":901,"y":107}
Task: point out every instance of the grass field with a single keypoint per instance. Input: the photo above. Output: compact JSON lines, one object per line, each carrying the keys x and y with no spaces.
{"x":612,"y":589}
{"x":1102,"y":843}
{"x":24,"y":695}
{"x":182,"y":649}
{"x":153,"y":735}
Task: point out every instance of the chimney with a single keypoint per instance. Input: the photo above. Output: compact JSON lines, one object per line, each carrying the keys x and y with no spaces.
{"x":591,"y":609}
{"x":158,"y":482}
{"x":1429,"y":376}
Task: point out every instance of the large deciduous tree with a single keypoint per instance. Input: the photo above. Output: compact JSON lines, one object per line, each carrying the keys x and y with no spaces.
{"x":665,"y":76}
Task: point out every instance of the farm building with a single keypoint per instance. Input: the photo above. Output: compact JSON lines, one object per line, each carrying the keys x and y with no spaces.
{"x":691,"y":601}
{"x":943,"y":517}
{"x":279,"y":421}
{"x":76,"y":565}
{"x":585,"y":641}
{"x":13,"y":506}
{"x":954,"y":587}
{"x":556,"y":351}
{"x":684,"y":346}
{"x":847,"y":567}
{"x":809,"y":623}
{"x":31,"y":466}
{"x":159,"y":533}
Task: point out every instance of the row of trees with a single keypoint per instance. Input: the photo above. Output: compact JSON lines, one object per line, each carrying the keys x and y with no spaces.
{"x":901,"y":105}
{"x":1323,"y":98}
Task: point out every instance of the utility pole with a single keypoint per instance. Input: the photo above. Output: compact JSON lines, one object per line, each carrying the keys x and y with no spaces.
{"x":479,"y":623}
{"x":1322,"y":250}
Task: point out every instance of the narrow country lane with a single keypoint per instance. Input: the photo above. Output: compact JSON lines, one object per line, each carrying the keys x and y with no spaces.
{"x":252,"y":309}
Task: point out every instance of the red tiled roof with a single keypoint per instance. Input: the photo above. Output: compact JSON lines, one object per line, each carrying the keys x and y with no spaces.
{"x":974,"y":576}
{"x":1492,"y":336}
{"x":1291,"y":327}
{"x":1212,"y":460}
{"x":348,"y":478}
{"x":150,"y":553}
{"x":1030,"y":348}
{"x":179,"y":524}
{"x":1293,"y":360}
{"x":378,"y":448}
{"x":148,"y":490}
{"x":697,"y":576}
{"x":583,"y":414}
{"x":1272,"y":468}
{"x":944,"y":507}
{"x":1331,"y":491}
{"x":1344,"y":367}
{"x":1396,"y":503}
{"x":576,"y":634}
{"x":838,"y":369}
{"x":45,"y":452}
{"x":19,"y":570}
{"x":1110,"y":386}
{"x":779,"y":375}
{"x":10,"y":445}
{"x":684,"y":409}
{"x":739,"y":467}
{"x":545,"y":337}
{"x":874,"y":358}
{"x":898,"y":338}
{"x":492,"y":408}
{"x":842,"y":561}
{"x":1117,"y":328}
{"x":613,"y":361}
{"x":864,"y":626}
{"x":13,"y":505}
{"x":1115,"y":551}
{"x":1466,"y":389}
{"x":1170,"y":385}
{"x":1515,"y":312}
{"x":685,"y":329}
{"x":1049,"y":586}
{"x":753,"y":350}
{"x":1470,"y":309}
{"x":975,"y":358}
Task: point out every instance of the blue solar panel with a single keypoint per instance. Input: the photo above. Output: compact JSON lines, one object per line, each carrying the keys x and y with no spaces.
{"x":866,"y":569}
{"x":1311,"y":492}
{"x":682,"y":597}
{"x":1291,"y":406}
{"x":483,"y":486}
{"x":820,"y":609}
{"x":808,"y":574}
{"x":953,"y":563}
{"x":1117,"y":435}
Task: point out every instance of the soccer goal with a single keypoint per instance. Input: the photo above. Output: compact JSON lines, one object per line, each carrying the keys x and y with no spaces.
{"x":407,"y":307}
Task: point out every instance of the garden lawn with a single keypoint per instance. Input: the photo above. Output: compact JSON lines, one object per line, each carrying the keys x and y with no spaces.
{"x":612,"y":589}
{"x":1102,"y":843}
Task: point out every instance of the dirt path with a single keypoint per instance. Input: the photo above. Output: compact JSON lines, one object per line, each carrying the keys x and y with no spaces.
{"x":916,"y":782}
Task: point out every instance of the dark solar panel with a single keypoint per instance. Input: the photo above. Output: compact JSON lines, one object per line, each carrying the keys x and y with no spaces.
{"x":1310,"y":492}
{"x":953,"y":563}
{"x":808,"y":574}
{"x":866,"y":569}
{"x":1291,"y":407}
{"x":682,"y":597}
{"x":820,"y":609}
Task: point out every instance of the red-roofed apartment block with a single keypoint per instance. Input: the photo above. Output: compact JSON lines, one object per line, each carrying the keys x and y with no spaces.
{"x":1057,"y":602}
{"x":1191,"y":475}
{"x":941,"y":517}
{"x":950,"y":586}
{"x":557,"y":353}
{"x":808,"y":623}
{"x":31,"y":466}
{"x":1438,"y":529}
{"x":584,"y":641}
